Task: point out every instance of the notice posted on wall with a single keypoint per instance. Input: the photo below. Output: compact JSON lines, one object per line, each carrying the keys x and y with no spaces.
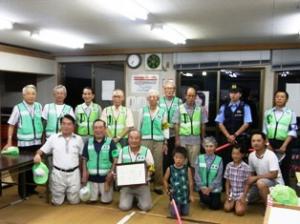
{"x":108,"y":86}
{"x":293,"y":89}
{"x":143,"y":83}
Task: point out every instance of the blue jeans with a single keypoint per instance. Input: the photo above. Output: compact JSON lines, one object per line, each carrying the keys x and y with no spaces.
{"x":183,"y":209}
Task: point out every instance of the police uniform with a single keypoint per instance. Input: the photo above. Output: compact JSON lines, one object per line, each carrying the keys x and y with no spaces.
{"x":233,"y":115}
{"x":142,"y":192}
{"x":278,"y":125}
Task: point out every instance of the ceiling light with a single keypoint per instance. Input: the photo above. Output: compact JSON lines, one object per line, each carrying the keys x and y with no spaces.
{"x":128,"y":8}
{"x":187,"y":74}
{"x":5,"y":24}
{"x":168,"y":33}
{"x":58,"y":38}
{"x":204,"y":73}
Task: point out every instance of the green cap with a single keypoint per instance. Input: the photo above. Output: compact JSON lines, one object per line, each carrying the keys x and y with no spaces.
{"x":40,"y":173}
{"x":12,"y":150}
{"x":284,"y":195}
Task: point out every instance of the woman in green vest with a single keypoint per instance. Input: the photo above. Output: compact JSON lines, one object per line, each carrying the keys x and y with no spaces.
{"x":208,"y":175}
{"x":86,"y":113}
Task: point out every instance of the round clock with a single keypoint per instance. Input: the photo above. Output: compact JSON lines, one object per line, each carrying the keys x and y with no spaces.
{"x":134,"y":60}
{"x":153,"y":61}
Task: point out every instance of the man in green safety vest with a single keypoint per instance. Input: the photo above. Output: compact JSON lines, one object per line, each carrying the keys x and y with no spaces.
{"x":27,"y":117}
{"x":280,"y":127}
{"x":99,"y":158}
{"x":52,"y":112}
{"x":86,"y":113}
{"x":190,"y":122}
{"x":171,"y":104}
{"x":154,"y":129}
{"x":118,"y":118}
{"x":135,"y":152}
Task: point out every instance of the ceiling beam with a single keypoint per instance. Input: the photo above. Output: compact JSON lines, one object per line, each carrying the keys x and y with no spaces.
{"x":229,"y":47}
{"x":25,"y":51}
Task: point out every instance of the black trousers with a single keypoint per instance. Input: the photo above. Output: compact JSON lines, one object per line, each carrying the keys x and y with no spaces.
{"x":213,"y":200}
{"x":29,"y":188}
{"x":168,"y":159}
{"x":285,"y":164}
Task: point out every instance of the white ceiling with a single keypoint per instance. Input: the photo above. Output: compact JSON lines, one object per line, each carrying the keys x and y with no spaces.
{"x":203,"y":22}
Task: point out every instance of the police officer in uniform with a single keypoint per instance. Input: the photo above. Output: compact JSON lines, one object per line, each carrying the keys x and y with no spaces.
{"x":233,"y":120}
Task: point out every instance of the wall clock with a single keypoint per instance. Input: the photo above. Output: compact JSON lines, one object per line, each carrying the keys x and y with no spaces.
{"x":134,"y":60}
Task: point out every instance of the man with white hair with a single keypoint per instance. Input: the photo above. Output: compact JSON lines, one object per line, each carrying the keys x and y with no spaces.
{"x":52,"y":112}
{"x":118,"y":118}
{"x":27,"y":117}
{"x":154,"y":129}
{"x":171,"y":104}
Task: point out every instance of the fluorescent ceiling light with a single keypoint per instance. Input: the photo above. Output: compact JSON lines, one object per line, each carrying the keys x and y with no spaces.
{"x":58,"y":38}
{"x":5,"y":24}
{"x":168,"y":33}
{"x":128,"y":8}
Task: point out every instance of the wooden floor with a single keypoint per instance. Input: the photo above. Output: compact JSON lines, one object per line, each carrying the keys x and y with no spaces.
{"x":35,"y":210}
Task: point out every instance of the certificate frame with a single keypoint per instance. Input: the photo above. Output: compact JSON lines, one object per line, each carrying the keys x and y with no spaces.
{"x":125,"y":177}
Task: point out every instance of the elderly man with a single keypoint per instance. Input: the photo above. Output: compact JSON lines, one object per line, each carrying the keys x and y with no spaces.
{"x":190,"y":122}
{"x":66,"y":148}
{"x":154,"y":129}
{"x":171,"y":104}
{"x":135,"y":152}
{"x":27,"y":117}
{"x":52,"y":112}
{"x":86,"y":113}
{"x":280,"y":126}
{"x":118,"y":118}
{"x":264,"y":167}
{"x":99,"y":157}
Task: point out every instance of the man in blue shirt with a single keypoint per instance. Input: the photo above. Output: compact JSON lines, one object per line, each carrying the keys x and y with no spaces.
{"x":233,"y":120}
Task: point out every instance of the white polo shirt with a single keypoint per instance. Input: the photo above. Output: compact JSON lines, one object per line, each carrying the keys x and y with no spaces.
{"x":66,"y":150}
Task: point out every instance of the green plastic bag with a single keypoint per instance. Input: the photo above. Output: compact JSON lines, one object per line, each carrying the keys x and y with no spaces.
{"x":284,"y":195}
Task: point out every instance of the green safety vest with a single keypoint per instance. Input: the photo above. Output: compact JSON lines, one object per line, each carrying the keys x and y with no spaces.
{"x":116,"y":125}
{"x":31,"y":128}
{"x":53,"y":120}
{"x":172,"y":109}
{"x":189,"y":125}
{"x":278,"y":129}
{"x":209,"y":175}
{"x":152,"y":128}
{"x":126,"y":158}
{"x":84,"y":122}
{"x":99,"y":163}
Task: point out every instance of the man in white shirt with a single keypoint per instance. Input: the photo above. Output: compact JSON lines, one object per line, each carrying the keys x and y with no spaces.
{"x":66,"y":148}
{"x":135,"y":152}
{"x":264,"y":167}
{"x":52,"y":112}
{"x":27,"y":118}
{"x":118,"y":119}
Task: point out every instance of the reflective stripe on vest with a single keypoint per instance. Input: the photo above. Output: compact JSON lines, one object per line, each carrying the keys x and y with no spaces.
{"x":172,"y":109}
{"x":99,"y":163}
{"x":30,"y":128}
{"x":116,"y":125}
{"x":152,"y":128}
{"x":209,"y":175}
{"x":126,"y":158}
{"x":84,"y":122}
{"x":278,"y":129}
{"x":53,"y":121}
{"x":190,"y":125}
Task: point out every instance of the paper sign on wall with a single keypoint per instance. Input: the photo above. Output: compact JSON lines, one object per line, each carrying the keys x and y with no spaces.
{"x":143,"y":83}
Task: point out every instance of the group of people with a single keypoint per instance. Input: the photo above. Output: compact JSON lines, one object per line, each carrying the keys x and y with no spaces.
{"x":87,"y":144}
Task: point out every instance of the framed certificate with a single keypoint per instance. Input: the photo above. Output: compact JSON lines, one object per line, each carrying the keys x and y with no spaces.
{"x":130,"y":174}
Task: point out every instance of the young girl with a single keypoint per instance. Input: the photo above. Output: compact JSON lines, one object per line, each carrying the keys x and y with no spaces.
{"x":178,"y":181}
{"x":208,"y":174}
{"x":236,"y":175}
